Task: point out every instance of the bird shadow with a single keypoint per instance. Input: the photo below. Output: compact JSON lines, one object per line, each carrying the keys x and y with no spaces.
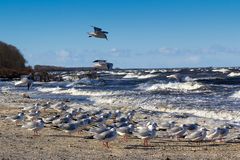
{"x":232,"y":142}
{"x":189,"y":143}
{"x":140,"y":147}
{"x":198,"y":145}
{"x":88,"y":137}
{"x":65,"y":136}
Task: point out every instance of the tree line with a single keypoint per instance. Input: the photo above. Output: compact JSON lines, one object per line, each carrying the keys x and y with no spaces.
{"x":12,"y":62}
{"x":11,"y":57}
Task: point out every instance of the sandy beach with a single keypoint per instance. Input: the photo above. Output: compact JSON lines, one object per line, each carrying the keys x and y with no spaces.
{"x":18,"y":143}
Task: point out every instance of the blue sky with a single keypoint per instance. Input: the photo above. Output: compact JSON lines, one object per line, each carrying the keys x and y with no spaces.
{"x":142,"y":33}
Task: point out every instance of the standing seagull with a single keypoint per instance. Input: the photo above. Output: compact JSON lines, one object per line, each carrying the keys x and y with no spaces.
{"x":224,"y":132}
{"x":197,"y":135}
{"x":17,"y":118}
{"x":213,"y":134}
{"x":146,"y":132}
{"x":34,"y":126}
{"x":106,"y":136}
{"x":98,"y":33}
{"x":125,"y":131}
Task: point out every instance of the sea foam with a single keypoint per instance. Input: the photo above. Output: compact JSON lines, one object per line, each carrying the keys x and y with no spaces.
{"x":186,"y":86}
{"x":234,"y":74}
{"x":236,"y":95}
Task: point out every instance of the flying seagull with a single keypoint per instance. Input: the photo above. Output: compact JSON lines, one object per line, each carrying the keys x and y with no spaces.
{"x":98,"y":33}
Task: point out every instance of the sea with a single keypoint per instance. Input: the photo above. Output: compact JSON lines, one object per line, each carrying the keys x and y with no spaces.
{"x":212,"y":93}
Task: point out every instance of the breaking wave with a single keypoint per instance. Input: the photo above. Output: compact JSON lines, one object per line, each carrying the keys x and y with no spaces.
{"x":139,"y":76}
{"x":222,"y":70}
{"x":186,"y":86}
{"x":234,"y":74}
{"x":77,"y":92}
{"x":236,"y":95}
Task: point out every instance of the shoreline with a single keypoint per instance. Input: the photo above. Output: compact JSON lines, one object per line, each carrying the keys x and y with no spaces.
{"x":18,"y":143}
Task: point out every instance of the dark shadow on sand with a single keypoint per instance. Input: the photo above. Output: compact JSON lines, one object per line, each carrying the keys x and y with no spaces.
{"x":64,"y":136}
{"x":150,"y":147}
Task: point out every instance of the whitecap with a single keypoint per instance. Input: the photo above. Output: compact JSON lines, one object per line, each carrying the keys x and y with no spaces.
{"x":234,"y":74}
{"x":147,"y":76}
{"x":153,"y":71}
{"x":139,"y":76}
{"x":130,"y":76}
{"x":222,"y":70}
{"x":45,"y":89}
{"x":186,"y":86}
{"x":77,"y":92}
{"x":236,"y":95}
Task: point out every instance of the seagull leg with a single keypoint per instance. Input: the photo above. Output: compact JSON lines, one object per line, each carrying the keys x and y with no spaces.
{"x":104,"y":144}
{"x":107,"y":145}
{"x":221,"y":139}
{"x":145,"y":142}
{"x":79,"y":131}
{"x":125,"y":138}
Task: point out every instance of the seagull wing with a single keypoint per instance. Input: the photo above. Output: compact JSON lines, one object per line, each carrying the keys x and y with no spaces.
{"x":123,"y":129}
{"x":15,"y":117}
{"x":144,"y":133}
{"x":102,"y":135}
{"x":69,"y":127}
{"x":175,"y":129}
{"x":30,"y":125}
{"x":96,"y":29}
{"x":105,"y":32}
{"x":194,"y":135}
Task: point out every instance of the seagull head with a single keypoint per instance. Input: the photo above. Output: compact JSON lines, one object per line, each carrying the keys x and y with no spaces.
{"x":228,"y":126}
{"x":40,"y":120}
{"x":204,"y":129}
{"x":112,"y":129}
{"x":21,"y":114}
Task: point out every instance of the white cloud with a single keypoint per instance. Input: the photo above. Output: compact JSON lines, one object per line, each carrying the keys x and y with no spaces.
{"x":193,"y":59}
{"x":63,"y":55}
{"x":166,"y":50}
{"x":160,"y":57}
{"x":113,"y":50}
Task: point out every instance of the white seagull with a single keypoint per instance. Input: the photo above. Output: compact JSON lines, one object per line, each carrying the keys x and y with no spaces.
{"x":177,"y":131}
{"x":34,"y":126}
{"x":125,"y":131}
{"x":106,"y":136}
{"x":17,"y":118}
{"x":166,"y":125}
{"x":213,"y":134}
{"x":98,"y":33}
{"x":197,"y":135}
{"x":147,"y":132}
{"x":70,"y":127}
{"x":224,"y":132}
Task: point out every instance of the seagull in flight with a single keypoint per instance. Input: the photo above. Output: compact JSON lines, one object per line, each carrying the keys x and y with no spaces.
{"x":98,"y":33}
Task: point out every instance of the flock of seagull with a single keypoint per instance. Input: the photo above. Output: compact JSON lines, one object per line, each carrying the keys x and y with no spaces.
{"x":105,"y":125}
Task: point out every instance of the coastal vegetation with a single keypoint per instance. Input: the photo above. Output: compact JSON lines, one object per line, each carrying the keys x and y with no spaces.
{"x":12,"y":62}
